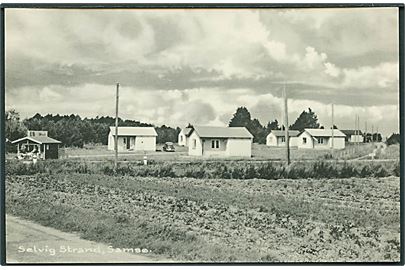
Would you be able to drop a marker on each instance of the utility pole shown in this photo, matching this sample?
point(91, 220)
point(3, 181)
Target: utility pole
point(116, 128)
point(372, 134)
point(376, 134)
point(358, 130)
point(333, 127)
point(365, 132)
point(287, 140)
point(355, 132)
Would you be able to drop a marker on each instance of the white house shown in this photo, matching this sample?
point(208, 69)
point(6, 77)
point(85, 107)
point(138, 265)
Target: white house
point(133, 139)
point(321, 139)
point(183, 136)
point(220, 142)
point(277, 138)
point(353, 136)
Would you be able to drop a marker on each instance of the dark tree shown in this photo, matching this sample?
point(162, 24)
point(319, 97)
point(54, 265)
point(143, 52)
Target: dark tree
point(167, 134)
point(306, 120)
point(241, 118)
point(257, 130)
point(395, 138)
point(14, 128)
point(377, 137)
point(273, 125)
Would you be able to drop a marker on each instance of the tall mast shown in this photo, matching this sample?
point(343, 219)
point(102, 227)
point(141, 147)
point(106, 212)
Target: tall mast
point(287, 141)
point(116, 128)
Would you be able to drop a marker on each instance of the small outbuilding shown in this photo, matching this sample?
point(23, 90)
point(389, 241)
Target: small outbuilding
point(321, 139)
point(133, 139)
point(277, 138)
point(353, 136)
point(38, 144)
point(220, 142)
point(184, 136)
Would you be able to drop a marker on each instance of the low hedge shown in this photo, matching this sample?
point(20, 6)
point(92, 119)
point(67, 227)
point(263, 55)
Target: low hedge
point(211, 169)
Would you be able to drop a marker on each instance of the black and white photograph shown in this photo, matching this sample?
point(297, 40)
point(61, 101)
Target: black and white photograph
point(202, 134)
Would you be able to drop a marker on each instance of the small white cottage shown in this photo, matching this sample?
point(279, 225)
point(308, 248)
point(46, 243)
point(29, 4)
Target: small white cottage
point(220, 142)
point(183, 136)
point(321, 139)
point(353, 136)
point(277, 138)
point(133, 139)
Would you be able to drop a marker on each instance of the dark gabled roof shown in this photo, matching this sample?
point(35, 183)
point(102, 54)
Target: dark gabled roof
point(187, 131)
point(281, 133)
point(222, 132)
point(350, 132)
point(38, 139)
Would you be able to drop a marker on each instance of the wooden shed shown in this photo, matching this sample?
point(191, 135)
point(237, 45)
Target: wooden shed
point(37, 143)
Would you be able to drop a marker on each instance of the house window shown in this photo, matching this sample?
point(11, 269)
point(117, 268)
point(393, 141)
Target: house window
point(304, 140)
point(194, 144)
point(282, 139)
point(215, 144)
point(47, 147)
point(320, 140)
point(125, 140)
point(181, 138)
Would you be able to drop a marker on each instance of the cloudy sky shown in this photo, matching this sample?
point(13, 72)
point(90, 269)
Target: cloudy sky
point(197, 66)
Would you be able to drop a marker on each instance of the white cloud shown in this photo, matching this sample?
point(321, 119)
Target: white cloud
point(332, 70)
point(48, 95)
point(384, 75)
point(312, 58)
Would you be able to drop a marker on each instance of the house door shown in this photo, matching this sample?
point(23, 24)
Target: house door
point(128, 142)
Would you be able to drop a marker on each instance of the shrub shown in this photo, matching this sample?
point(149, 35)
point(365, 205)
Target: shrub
point(165, 171)
point(347, 171)
point(296, 170)
point(250, 172)
point(365, 172)
point(380, 171)
point(323, 170)
point(397, 169)
point(267, 171)
point(194, 172)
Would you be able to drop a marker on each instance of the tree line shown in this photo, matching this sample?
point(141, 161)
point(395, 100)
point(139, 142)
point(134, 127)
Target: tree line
point(72, 130)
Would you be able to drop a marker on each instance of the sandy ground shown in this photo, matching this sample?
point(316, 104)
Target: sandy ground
point(28, 242)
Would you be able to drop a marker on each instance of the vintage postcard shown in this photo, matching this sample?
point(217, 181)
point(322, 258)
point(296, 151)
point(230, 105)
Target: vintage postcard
point(202, 135)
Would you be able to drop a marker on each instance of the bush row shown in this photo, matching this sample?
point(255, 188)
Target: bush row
point(220, 169)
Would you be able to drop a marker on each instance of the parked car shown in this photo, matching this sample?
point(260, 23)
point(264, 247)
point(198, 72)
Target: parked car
point(168, 147)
